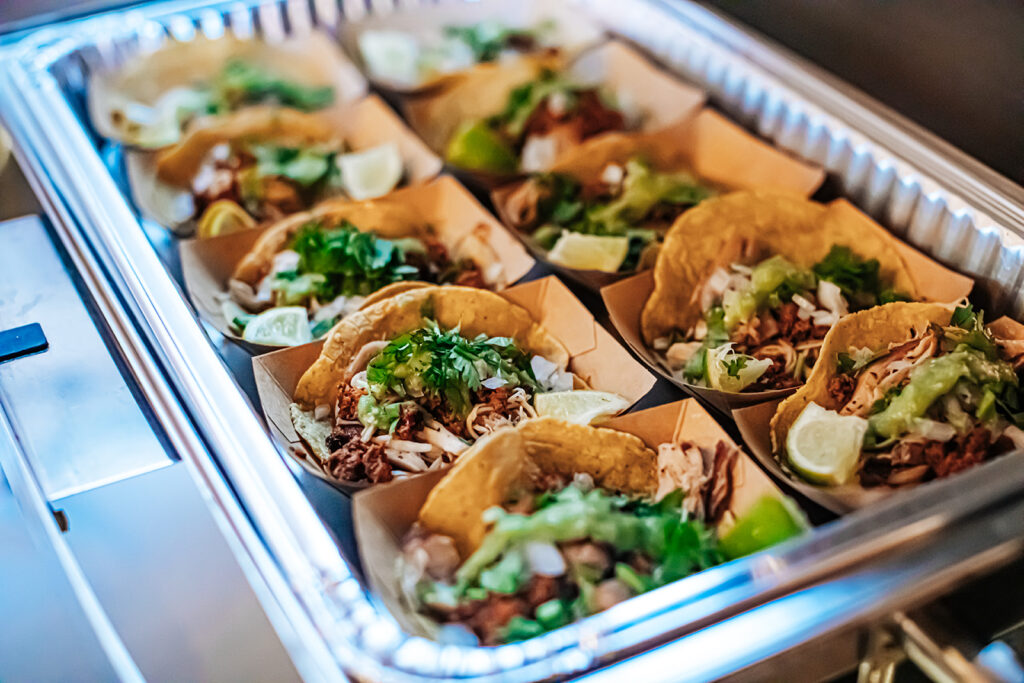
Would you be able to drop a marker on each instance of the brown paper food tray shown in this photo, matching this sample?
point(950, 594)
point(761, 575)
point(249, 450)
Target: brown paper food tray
point(716, 150)
point(625, 301)
point(613, 64)
point(382, 515)
point(574, 31)
point(454, 213)
point(594, 354)
point(312, 60)
point(754, 425)
point(363, 124)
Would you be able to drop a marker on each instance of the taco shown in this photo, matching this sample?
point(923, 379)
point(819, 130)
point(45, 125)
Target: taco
point(421, 50)
point(904, 393)
point(410, 381)
point(521, 115)
point(748, 284)
point(607, 203)
point(324, 263)
point(549, 522)
point(151, 102)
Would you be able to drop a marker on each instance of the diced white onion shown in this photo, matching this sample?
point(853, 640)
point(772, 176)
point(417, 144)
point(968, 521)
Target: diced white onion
point(359, 380)
point(542, 368)
point(612, 174)
point(493, 383)
point(284, 261)
point(558, 103)
point(539, 153)
point(544, 559)
point(806, 307)
point(831, 297)
point(934, 431)
point(321, 411)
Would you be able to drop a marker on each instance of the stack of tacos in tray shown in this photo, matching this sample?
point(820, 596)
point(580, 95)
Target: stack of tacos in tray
point(547, 522)
point(904, 393)
point(265, 162)
point(150, 102)
point(500, 119)
point(414, 52)
point(747, 285)
point(410, 381)
point(606, 204)
point(291, 282)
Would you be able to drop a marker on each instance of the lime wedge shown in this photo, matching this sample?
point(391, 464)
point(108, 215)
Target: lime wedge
point(475, 146)
point(223, 217)
point(589, 252)
point(581, 407)
point(372, 172)
point(284, 326)
point(391, 56)
point(768, 521)
point(733, 372)
point(824, 447)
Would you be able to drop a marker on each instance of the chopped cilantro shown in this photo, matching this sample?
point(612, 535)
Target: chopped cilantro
point(857, 278)
point(241, 83)
point(346, 261)
point(445, 365)
point(486, 39)
point(845, 363)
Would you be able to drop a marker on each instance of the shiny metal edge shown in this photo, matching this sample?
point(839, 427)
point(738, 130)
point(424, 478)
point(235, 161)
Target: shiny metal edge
point(25, 485)
point(377, 638)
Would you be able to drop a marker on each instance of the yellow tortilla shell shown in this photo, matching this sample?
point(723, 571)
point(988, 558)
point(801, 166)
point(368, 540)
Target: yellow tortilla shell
point(476, 93)
point(179, 164)
point(505, 464)
point(474, 311)
point(798, 229)
point(312, 61)
point(875, 329)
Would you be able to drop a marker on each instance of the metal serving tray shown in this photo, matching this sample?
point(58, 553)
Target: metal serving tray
point(822, 586)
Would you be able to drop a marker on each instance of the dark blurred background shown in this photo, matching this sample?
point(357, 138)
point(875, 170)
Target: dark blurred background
point(954, 66)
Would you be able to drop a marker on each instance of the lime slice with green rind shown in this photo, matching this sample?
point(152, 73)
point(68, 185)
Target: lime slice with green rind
point(284, 326)
point(477, 147)
point(824, 447)
point(589, 252)
point(581, 407)
point(770, 520)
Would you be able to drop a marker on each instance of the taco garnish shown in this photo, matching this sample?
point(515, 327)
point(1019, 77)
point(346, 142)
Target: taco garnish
point(540, 120)
point(401, 59)
point(331, 259)
point(630, 201)
point(550, 522)
point(747, 285)
point(273, 162)
point(922, 391)
point(410, 381)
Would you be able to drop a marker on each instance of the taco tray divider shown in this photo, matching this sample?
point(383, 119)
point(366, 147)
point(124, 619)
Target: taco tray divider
point(904, 551)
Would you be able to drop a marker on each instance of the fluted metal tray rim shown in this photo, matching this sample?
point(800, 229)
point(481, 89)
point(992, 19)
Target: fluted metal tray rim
point(339, 611)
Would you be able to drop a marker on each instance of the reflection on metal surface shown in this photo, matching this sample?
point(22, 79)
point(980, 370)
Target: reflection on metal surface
point(73, 410)
point(725, 619)
point(31, 499)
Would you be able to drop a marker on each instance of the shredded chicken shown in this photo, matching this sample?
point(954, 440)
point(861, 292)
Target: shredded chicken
point(890, 371)
point(499, 408)
point(706, 481)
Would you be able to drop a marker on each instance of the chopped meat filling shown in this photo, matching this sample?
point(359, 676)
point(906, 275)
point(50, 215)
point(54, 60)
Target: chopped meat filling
point(917, 460)
point(840, 388)
point(358, 460)
point(347, 407)
point(587, 118)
